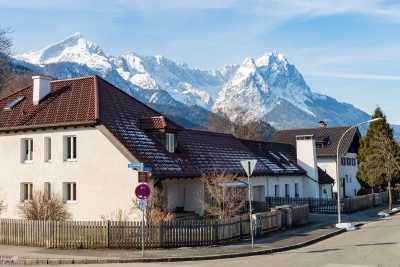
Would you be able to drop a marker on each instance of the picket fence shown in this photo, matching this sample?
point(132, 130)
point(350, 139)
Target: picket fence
point(127, 234)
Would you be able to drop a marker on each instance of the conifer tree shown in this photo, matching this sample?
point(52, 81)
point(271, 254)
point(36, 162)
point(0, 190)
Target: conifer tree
point(379, 155)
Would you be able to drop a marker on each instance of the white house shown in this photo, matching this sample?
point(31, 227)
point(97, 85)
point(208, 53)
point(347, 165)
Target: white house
point(327, 139)
point(76, 137)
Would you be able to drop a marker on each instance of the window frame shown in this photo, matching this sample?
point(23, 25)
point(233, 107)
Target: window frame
point(26, 191)
point(287, 191)
point(47, 190)
point(170, 142)
point(27, 150)
point(47, 149)
point(296, 190)
point(70, 148)
point(276, 190)
point(70, 192)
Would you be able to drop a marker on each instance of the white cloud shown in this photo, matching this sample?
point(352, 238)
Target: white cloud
point(272, 9)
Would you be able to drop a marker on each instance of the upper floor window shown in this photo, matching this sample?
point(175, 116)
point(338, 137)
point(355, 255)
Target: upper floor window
point(47, 149)
point(27, 150)
point(70, 147)
point(26, 192)
point(170, 142)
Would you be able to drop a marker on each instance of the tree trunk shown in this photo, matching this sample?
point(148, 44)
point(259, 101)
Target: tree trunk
point(390, 195)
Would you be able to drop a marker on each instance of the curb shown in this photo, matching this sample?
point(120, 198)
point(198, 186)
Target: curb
point(55, 261)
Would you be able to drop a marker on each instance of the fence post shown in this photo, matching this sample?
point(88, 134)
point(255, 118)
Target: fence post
point(108, 233)
point(241, 227)
point(215, 226)
point(161, 234)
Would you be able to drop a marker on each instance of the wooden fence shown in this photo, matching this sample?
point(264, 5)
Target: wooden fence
point(110, 234)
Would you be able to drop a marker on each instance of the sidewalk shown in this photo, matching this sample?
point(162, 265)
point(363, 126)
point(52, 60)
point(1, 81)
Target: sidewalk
point(319, 228)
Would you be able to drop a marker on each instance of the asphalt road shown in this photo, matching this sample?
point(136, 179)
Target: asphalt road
point(375, 244)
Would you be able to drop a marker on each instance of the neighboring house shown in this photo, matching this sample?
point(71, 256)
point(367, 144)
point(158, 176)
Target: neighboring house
point(76, 138)
point(326, 139)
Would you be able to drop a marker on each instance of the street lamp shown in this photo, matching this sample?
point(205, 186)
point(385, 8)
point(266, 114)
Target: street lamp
point(339, 224)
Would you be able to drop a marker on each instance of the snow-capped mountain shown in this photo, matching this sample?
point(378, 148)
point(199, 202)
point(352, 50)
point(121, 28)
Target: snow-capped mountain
point(271, 89)
point(184, 84)
point(268, 88)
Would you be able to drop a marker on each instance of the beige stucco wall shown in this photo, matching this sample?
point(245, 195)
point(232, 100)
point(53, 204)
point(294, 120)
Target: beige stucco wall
point(328, 164)
point(104, 182)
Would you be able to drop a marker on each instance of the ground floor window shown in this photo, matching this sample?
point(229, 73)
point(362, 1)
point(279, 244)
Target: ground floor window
point(287, 191)
point(69, 192)
point(26, 191)
point(276, 190)
point(296, 190)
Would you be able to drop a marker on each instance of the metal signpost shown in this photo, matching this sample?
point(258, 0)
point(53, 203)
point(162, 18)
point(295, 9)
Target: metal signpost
point(248, 166)
point(142, 192)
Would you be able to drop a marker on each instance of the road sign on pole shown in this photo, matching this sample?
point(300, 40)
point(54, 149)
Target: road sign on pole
point(142, 191)
point(248, 166)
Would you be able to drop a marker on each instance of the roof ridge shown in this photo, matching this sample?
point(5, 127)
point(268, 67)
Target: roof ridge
point(211, 132)
point(72, 79)
point(316, 128)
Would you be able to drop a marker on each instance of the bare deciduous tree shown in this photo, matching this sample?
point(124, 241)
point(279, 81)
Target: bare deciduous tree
point(223, 199)
point(2, 205)
point(41, 207)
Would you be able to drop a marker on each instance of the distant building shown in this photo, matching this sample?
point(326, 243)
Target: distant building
point(326, 141)
point(76, 137)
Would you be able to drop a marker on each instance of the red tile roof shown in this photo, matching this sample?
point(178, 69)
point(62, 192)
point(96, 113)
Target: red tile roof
point(93, 101)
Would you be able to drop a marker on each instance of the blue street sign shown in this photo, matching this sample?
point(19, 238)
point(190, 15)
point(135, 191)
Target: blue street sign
point(136, 165)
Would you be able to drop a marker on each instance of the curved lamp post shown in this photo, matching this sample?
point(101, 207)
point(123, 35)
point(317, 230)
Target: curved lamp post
point(338, 179)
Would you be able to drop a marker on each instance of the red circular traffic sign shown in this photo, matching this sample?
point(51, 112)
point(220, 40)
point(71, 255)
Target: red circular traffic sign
point(142, 191)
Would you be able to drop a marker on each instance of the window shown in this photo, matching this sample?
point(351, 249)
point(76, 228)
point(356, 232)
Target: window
point(47, 149)
point(276, 189)
point(287, 190)
point(27, 150)
point(296, 190)
point(47, 190)
point(353, 161)
point(170, 142)
point(348, 161)
point(69, 192)
point(26, 192)
point(343, 161)
point(70, 148)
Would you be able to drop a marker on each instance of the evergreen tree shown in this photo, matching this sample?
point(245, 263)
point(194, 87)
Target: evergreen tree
point(379, 155)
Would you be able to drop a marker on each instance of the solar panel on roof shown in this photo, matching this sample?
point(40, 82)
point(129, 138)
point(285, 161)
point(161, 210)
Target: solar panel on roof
point(10, 105)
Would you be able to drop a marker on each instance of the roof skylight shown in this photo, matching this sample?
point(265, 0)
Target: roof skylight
point(10, 105)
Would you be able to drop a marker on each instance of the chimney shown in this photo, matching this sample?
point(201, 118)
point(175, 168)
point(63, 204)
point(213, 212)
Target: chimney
point(41, 88)
point(307, 159)
point(323, 124)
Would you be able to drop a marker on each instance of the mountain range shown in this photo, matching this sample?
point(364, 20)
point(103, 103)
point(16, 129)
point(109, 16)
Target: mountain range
point(268, 88)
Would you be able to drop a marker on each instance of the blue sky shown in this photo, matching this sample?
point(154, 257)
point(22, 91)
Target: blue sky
point(348, 49)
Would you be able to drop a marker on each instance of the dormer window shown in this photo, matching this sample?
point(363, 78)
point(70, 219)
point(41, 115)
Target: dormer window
point(170, 142)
